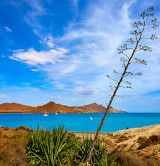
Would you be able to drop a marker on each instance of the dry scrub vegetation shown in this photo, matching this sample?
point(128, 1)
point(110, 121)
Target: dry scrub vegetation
point(12, 147)
point(126, 144)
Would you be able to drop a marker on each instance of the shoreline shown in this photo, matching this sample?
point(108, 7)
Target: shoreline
point(103, 133)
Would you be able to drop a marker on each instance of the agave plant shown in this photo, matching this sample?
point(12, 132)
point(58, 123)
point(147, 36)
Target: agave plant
point(100, 156)
point(59, 147)
point(48, 148)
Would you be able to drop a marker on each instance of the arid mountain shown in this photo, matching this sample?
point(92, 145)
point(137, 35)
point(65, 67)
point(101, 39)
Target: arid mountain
point(52, 107)
point(14, 107)
point(98, 108)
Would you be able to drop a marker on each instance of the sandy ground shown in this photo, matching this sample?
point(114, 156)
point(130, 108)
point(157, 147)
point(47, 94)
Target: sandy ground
point(128, 140)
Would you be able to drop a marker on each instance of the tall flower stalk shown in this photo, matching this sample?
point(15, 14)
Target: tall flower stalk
point(134, 45)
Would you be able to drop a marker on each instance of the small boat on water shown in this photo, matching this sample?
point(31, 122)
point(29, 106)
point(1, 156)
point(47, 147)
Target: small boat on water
point(56, 113)
point(45, 114)
point(91, 118)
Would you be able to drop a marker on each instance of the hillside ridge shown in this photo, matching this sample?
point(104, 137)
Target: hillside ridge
point(53, 107)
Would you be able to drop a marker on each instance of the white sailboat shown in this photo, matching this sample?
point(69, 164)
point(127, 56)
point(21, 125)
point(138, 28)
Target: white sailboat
point(56, 113)
point(45, 114)
point(91, 118)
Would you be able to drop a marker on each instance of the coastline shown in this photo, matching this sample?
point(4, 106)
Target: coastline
point(154, 129)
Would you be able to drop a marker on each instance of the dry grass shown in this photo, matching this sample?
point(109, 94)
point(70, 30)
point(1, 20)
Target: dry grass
point(152, 140)
point(121, 139)
point(12, 147)
point(130, 159)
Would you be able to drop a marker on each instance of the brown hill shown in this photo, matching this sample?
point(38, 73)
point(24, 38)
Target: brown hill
point(52, 107)
point(14, 107)
point(98, 108)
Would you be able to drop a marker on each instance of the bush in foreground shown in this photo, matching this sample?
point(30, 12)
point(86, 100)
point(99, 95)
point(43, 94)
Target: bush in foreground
point(59, 147)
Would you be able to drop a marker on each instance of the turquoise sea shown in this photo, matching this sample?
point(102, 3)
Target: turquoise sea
point(81, 122)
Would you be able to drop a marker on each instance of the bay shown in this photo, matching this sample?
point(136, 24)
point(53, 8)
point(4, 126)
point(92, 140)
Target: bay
point(80, 122)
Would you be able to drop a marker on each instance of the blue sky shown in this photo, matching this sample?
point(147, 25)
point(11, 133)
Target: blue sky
point(61, 50)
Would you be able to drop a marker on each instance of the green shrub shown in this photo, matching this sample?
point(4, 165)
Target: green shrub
point(60, 147)
point(100, 154)
point(48, 148)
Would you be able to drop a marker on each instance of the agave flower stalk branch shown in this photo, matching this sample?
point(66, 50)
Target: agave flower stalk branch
point(114, 93)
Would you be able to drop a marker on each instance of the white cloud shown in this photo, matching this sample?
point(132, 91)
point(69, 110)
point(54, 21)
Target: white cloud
point(58, 85)
point(85, 91)
point(3, 96)
point(48, 41)
point(36, 11)
point(33, 57)
point(34, 70)
point(36, 6)
point(100, 33)
point(69, 69)
point(8, 29)
point(93, 45)
point(62, 100)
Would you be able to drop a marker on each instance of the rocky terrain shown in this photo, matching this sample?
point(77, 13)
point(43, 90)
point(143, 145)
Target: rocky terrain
point(52, 107)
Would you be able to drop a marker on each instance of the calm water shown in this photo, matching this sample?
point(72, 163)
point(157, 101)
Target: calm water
point(81, 122)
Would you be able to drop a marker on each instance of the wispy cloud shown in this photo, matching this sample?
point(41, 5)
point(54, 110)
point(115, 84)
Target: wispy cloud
point(99, 34)
point(34, 70)
point(3, 96)
point(94, 42)
point(48, 41)
point(85, 91)
point(33, 57)
point(8, 29)
point(32, 16)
